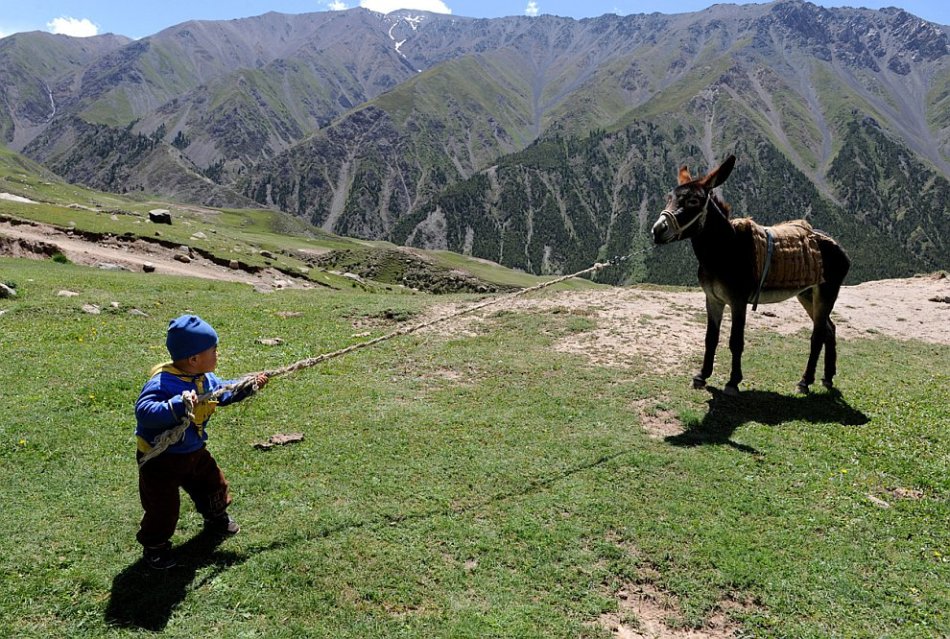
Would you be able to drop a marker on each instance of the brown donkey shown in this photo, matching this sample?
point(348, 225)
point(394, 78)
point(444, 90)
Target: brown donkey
point(742, 263)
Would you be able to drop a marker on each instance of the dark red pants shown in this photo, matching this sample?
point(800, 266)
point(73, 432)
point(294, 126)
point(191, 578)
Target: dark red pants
point(159, 482)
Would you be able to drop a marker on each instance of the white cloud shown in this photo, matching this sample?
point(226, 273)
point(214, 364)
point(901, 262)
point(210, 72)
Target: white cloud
point(79, 28)
point(532, 9)
point(388, 6)
point(336, 5)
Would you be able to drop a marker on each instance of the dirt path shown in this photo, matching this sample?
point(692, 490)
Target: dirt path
point(26, 240)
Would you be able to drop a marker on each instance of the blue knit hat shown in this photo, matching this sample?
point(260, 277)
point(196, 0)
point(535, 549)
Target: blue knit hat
point(189, 335)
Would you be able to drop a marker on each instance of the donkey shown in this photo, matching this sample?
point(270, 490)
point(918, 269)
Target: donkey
point(736, 258)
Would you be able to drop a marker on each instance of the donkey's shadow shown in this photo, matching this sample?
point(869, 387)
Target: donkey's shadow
point(726, 414)
point(145, 598)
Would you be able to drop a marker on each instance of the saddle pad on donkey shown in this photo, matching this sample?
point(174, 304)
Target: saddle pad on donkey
point(796, 258)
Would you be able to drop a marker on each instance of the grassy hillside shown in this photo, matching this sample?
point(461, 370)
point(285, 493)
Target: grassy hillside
point(477, 485)
point(254, 238)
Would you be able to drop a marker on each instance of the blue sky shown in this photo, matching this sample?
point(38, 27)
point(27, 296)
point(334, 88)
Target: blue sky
point(138, 19)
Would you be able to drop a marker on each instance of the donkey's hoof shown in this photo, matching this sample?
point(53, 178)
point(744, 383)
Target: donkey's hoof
point(802, 388)
point(699, 382)
point(730, 391)
point(827, 383)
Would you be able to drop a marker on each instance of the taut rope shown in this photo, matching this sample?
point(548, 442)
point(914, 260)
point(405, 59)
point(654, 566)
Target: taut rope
point(171, 436)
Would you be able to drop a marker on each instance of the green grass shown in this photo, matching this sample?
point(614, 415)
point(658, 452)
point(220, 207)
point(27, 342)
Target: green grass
point(460, 486)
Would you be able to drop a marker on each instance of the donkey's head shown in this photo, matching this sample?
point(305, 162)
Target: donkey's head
point(686, 205)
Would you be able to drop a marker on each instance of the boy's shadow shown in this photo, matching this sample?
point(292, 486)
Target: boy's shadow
point(726, 414)
point(145, 598)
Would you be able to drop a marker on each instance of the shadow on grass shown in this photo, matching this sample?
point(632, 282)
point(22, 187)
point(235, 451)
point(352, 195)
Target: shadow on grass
point(726, 414)
point(385, 520)
point(145, 598)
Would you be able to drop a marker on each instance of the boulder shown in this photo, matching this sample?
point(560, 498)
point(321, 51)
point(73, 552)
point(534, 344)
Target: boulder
point(160, 216)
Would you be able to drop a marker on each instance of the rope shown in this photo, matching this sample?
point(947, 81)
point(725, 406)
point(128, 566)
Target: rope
point(248, 383)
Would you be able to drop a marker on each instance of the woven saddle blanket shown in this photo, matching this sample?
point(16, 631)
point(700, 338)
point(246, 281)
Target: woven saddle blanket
point(796, 258)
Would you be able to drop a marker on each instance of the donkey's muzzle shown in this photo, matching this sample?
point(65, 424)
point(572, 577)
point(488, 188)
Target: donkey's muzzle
point(663, 232)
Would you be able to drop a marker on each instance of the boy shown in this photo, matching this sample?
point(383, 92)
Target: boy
point(193, 346)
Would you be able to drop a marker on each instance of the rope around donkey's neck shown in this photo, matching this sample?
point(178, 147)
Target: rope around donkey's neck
point(249, 381)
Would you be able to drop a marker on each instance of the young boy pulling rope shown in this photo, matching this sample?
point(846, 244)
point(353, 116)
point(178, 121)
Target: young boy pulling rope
point(184, 392)
point(176, 404)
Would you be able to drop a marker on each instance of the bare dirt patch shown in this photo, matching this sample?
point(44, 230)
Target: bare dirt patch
point(899, 492)
point(647, 611)
point(659, 423)
point(35, 240)
point(665, 329)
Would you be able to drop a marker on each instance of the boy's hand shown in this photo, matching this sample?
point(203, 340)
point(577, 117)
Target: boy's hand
point(188, 400)
point(261, 380)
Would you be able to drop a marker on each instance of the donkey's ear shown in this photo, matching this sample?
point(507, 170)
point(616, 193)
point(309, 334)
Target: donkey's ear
point(684, 175)
point(718, 175)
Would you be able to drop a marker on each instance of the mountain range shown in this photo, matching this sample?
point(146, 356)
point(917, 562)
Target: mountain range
point(542, 143)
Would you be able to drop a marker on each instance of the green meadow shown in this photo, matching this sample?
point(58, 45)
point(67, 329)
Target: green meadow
point(478, 484)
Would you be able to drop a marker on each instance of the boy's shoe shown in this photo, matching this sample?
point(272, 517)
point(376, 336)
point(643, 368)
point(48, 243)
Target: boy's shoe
point(159, 558)
point(222, 525)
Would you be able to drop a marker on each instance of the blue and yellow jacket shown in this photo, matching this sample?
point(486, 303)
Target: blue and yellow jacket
point(160, 407)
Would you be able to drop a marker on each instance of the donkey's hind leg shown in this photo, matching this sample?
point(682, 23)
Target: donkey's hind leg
point(835, 264)
point(809, 300)
point(831, 355)
point(829, 294)
point(818, 302)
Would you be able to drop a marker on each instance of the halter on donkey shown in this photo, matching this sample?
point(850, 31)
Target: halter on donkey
point(741, 262)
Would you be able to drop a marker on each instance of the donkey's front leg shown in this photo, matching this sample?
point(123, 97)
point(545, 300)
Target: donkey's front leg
point(736, 346)
point(714, 310)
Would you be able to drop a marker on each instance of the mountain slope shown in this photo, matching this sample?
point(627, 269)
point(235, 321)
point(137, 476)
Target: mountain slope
point(566, 202)
point(523, 215)
point(40, 74)
point(419, 127)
